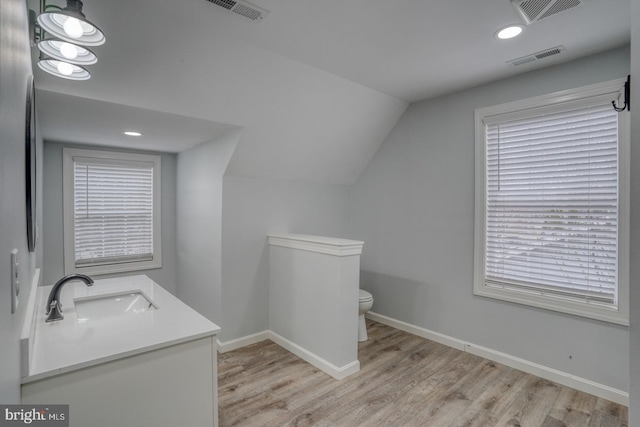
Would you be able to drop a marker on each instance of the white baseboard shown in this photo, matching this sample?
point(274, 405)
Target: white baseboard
point(304, 354)
point(416, 330)
point(237, 343)
point(582, 384)
point(317, 361)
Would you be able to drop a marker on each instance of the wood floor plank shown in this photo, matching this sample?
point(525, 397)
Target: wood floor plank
point(395, 390)
point(426, 391)
point(532, 404)
point(572, 408)
point(391, 360)
point(608, 414)
point(446, 404)
point(494, 401)
point(404, 380)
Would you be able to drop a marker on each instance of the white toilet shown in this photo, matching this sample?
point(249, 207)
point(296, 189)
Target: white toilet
point(365, 304)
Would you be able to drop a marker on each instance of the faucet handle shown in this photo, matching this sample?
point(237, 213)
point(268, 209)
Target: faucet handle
point(54, 312)
point(53, 305)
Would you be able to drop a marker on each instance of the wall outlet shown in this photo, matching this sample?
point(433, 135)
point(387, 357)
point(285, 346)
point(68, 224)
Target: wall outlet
point(15, 282)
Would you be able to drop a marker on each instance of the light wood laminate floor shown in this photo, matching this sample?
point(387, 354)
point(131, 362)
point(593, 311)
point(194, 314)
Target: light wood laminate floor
point(404, 380)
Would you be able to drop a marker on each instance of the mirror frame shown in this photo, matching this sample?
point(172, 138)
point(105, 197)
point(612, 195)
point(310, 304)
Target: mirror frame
point(30, 145)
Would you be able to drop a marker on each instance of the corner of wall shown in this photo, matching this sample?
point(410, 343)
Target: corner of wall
point(634, 273)
point(199, 175)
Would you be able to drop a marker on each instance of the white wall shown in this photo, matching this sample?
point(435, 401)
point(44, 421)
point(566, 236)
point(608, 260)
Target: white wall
point(634, 330)
point(15, 66)
point(413, 207)
point(52, 232)
point(313, 303)
point(199, 224)
point(253, 208)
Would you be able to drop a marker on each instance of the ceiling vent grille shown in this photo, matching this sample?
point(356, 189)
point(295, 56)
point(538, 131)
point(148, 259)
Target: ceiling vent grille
point(243, 8)
point(537, 10)
point(537, 56)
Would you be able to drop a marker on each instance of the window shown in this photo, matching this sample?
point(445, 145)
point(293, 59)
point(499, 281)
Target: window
point(111, 211)
point(551, 203)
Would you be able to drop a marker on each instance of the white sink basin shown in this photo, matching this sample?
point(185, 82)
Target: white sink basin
point(105, 306)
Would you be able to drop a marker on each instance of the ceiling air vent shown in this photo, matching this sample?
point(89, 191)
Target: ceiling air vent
point(243, 8)
point(537, 56)
point(537, 10)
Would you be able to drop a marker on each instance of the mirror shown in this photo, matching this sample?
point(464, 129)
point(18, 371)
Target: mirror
point(30, 164)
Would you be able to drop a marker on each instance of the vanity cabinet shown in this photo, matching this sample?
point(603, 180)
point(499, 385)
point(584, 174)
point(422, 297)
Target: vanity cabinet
point(171, 386)
point(114, 367)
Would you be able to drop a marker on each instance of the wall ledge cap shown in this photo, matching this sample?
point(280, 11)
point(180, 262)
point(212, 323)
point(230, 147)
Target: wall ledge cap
point(319, 244)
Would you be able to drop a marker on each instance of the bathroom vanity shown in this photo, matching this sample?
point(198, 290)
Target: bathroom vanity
point(127, 353)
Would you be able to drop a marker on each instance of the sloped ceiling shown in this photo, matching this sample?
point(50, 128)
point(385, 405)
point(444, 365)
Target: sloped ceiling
point(317, 85)
point(88, 121)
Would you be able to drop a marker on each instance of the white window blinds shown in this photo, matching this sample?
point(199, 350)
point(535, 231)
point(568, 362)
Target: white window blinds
point(552, 204)
point(112, 211)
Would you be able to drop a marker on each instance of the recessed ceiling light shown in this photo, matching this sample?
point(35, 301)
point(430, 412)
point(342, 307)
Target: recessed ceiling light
point(132, 133)
point(509, 31)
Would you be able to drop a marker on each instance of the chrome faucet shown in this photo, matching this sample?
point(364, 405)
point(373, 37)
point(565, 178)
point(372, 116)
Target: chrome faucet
point(54, 307)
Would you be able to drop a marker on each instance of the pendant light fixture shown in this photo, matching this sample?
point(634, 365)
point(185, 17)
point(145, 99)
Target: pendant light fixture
point(64, 70)
point(67, 52)
point(70, 24)
point(64, 53)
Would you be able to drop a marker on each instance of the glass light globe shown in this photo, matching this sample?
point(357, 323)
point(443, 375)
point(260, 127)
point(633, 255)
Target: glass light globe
point(73, 28)
point(68, 50)
point(65, 68)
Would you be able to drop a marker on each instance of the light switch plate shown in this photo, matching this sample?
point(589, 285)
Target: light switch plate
point(15, 282)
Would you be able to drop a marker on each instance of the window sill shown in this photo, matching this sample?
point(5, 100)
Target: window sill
point(561, 305)
point(97, 270)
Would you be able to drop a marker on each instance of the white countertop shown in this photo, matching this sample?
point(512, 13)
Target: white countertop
point(68, 345)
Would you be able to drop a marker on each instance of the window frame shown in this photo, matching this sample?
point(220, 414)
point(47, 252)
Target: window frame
point(530, 107)
point(68, 212)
